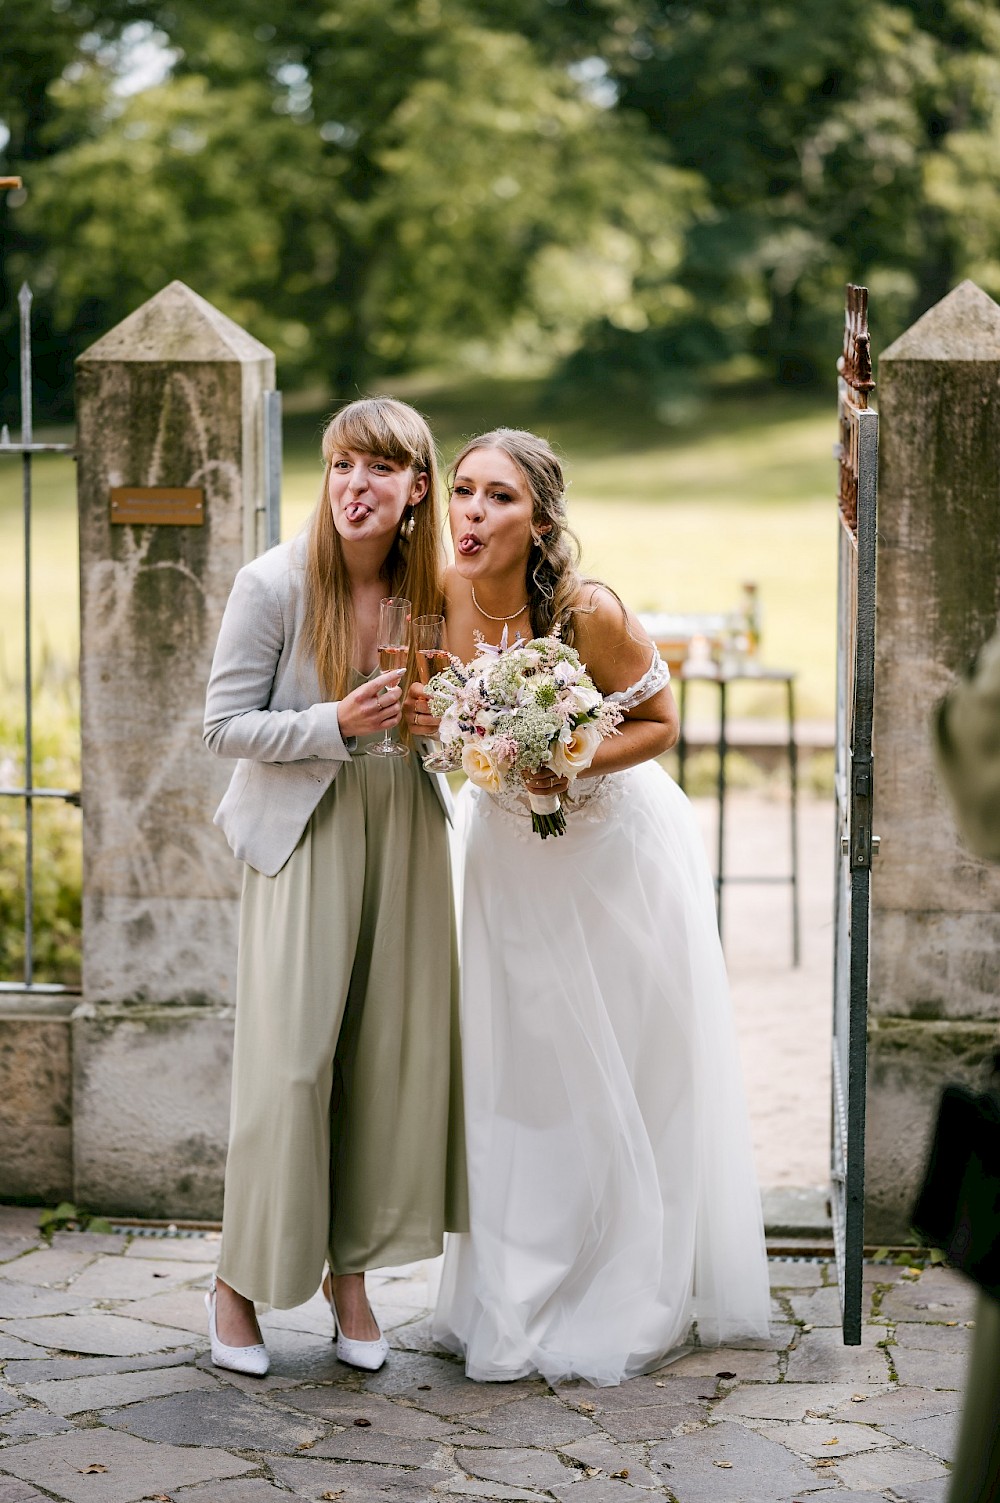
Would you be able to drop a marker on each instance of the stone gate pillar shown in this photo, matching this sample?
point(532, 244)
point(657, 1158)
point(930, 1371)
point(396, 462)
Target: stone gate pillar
point(935, 939)
point(170, 481)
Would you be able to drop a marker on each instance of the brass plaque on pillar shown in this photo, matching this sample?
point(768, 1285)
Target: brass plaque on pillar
point(160, 505)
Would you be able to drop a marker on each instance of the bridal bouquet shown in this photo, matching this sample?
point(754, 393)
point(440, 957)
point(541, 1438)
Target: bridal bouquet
point(529, 707)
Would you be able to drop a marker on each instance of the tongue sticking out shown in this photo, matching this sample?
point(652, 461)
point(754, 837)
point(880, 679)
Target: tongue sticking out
point(357, 511)
point(469, 545)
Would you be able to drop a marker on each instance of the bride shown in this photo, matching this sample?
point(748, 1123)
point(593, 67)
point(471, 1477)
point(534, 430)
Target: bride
point(613, 1196)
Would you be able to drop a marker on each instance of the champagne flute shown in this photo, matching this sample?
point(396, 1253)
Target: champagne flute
point(432, 656)
point(393, 652)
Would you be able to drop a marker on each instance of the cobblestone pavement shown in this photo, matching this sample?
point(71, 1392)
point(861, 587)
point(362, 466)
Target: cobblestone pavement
point(107, 1395)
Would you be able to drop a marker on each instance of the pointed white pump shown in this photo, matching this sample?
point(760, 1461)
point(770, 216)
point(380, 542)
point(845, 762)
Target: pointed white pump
point(369, 1355)
point(252, 1360)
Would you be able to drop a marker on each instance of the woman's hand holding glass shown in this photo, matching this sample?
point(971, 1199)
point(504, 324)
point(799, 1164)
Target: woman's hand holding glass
point(373, 706)
point(419, 715)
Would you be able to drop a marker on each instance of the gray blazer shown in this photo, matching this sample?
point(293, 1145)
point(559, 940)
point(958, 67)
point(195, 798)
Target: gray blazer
point(265, 707)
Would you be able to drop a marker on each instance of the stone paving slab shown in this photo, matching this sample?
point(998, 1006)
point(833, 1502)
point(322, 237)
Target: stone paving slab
point(68, 1396)
point(12, 1347)
point(242, 1490)
point(521, 1466)
point(796, 1401)
point(130, 1468)
point(727, 1461)
point(339, 1408)
point(42, 1369)
point(376, 1446)
point(89, 1242)
point(612, 1459)
point(182, 1309)
point(899, 1404)
point(98, 1334)
point(929, 1369)
point(223, 1418)
point(357, 1483)
point(822, 1439)
point(953, 1337)
point(531, 1422)
point(13, 1490)
point(889, 1469)
point(938, 1434)
point(48, 1266)
point(28, 1424)
point(13, 1247)
point(600, 1490)
point(18, 1300)
point(709, 1362)
point(821, 1357)
point(139, 1278)
point(934, 1491)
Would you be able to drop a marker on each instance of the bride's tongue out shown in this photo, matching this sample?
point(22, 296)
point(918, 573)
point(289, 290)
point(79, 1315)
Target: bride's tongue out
point(469, 545)
point(357, 511)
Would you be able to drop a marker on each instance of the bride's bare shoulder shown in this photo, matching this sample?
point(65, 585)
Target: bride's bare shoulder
point(608, 636)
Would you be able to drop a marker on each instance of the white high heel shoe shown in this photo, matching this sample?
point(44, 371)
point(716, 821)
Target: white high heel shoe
point(369, 1355)
point(252, 1360)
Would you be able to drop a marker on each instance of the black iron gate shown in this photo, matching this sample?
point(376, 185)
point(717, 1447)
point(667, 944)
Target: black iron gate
point(28, 793)
point(858, 455)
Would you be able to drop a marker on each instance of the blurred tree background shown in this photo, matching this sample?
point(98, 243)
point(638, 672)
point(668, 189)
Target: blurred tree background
point(630, 196)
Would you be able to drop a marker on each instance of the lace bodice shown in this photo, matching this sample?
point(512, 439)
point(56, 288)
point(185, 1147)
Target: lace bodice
point(593, 798)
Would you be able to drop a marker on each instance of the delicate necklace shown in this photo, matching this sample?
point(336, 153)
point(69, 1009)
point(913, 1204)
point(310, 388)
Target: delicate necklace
point(512, 617)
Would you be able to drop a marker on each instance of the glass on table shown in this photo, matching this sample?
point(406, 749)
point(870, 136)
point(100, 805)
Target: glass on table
point(393, 652)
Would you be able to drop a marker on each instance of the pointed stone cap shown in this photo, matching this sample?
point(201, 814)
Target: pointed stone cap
point(176, 325)
point(965, 325)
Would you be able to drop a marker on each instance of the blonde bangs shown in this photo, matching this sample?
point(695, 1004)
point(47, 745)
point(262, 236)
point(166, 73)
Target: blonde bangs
point(379, 425)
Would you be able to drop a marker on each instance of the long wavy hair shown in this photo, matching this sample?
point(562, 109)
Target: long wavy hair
point(415, 561)
point(552, 578)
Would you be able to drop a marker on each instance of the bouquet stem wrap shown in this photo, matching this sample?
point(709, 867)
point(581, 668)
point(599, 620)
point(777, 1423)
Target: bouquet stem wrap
point(547, 817)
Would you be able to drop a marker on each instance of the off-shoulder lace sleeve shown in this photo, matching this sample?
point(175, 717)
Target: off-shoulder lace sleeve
point(655, 678)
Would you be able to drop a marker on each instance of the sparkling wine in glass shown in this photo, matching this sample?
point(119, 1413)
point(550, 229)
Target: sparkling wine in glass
point(393, 652)
point(432, 656)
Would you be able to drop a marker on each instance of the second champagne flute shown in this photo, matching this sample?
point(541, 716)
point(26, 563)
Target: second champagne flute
point(393, 652)
point(432, 656)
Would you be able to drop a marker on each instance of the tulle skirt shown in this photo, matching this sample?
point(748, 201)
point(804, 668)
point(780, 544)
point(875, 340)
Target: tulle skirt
point(613, 1194)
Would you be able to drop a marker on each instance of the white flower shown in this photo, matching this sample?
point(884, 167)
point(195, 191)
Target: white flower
point(448, 730)
point(585, 696)
point(571, 756)
point(480, 767)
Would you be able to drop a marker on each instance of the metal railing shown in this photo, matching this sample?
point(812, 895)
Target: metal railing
point(27, 449)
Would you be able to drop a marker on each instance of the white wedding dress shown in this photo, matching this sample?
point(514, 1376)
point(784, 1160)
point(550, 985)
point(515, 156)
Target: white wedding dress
point(612, 1188)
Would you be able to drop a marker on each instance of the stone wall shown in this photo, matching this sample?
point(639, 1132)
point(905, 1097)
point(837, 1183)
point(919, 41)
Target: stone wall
point(935, 973)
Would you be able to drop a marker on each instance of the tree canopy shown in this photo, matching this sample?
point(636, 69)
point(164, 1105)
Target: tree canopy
point(631, 192)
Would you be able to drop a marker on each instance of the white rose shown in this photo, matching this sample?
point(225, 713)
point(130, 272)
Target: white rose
point(585, 696)
point(573, 755)
point(480, 768)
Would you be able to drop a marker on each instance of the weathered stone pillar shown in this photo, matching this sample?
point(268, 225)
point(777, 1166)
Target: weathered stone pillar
point(171, 398)
point(935, 943)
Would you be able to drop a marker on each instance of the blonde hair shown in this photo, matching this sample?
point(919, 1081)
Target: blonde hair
point(552, 577)
point(414, 565)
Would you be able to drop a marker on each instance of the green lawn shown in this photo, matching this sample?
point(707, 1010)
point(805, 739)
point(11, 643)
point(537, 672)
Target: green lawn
point(674, 519)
